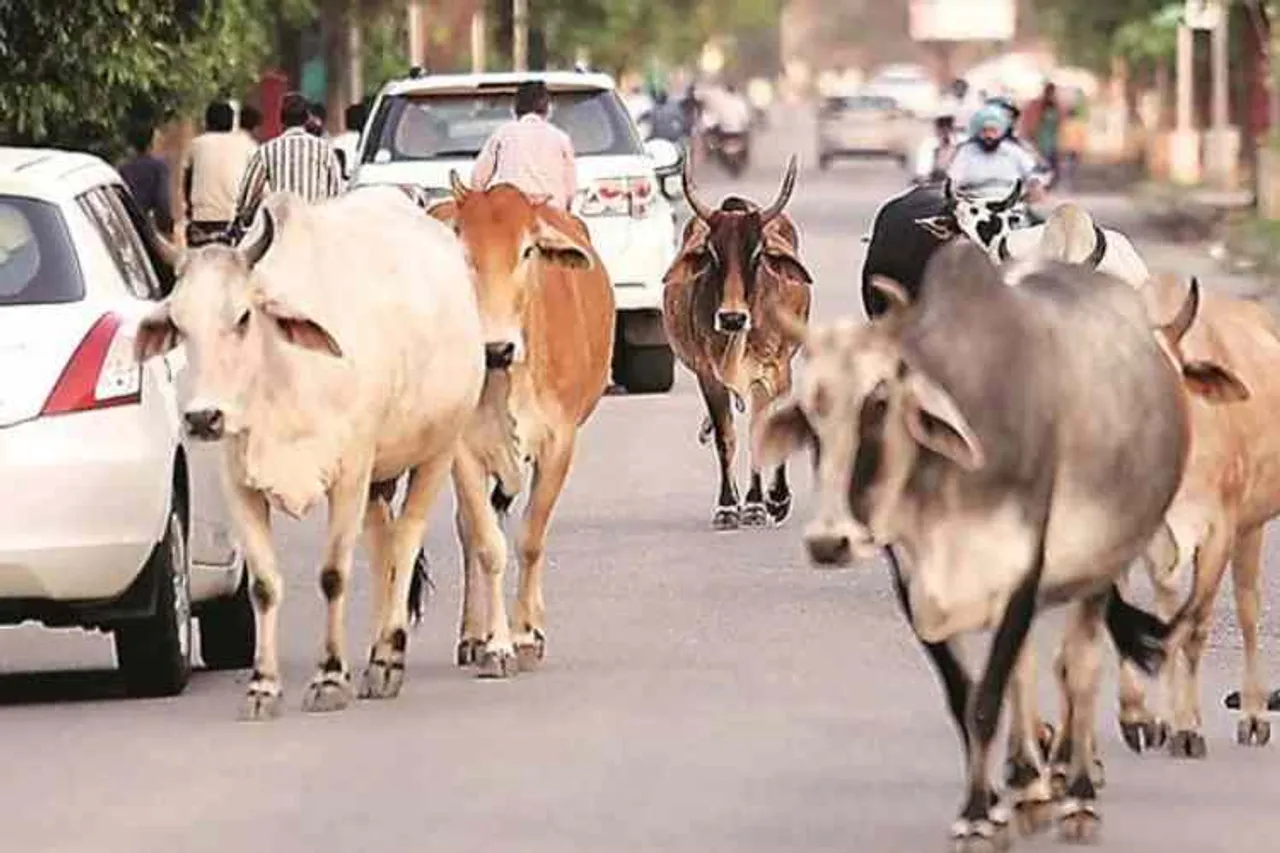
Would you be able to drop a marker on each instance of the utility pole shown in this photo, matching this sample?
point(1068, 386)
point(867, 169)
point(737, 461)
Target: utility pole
point(520, 34)
point(478, 37)
point(1184, 142)
point(414, 13)
point(355, 59)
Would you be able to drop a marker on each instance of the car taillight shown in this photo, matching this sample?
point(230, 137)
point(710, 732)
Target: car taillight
point(102, 372)
point(619, 197)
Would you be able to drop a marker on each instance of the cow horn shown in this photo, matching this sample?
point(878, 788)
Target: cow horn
point(252, 252)
point(784, 195)
point(1009, 200)
point(948, 192)
point(1180, 324)
point(460, 190)
point(698, 206)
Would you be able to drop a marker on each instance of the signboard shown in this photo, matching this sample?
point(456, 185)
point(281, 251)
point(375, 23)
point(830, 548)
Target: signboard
point(1203, 14)
point(962, 20)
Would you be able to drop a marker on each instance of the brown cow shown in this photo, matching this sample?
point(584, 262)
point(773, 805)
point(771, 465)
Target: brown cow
point(737, 268)
point(1230, 490)
point(547, 309)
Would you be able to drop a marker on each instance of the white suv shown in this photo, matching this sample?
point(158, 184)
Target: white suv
point(422, 127)
point(108, 519)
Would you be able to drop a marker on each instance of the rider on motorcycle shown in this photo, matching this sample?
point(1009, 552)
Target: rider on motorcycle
point(991, 161)
point(667, 119)
point(935, 152)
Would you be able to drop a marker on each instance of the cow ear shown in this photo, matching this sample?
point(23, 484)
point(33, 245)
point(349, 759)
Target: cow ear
point(1214, 383)
point(300, 330)
point(156, 334)
point(782, 431)
point(893, 292)
point(445, 211)
point(781, 257)
point(559, 248)
point(935, 421)
point(943, 226)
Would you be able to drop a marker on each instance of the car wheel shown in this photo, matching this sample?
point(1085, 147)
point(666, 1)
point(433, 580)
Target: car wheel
point(154, 653)
point(228, 634)
point(647, 369)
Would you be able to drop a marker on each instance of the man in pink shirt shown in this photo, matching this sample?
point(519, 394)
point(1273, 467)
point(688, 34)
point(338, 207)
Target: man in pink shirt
point(530, 153)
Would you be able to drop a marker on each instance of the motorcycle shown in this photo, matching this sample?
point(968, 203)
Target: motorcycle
point(731, 149)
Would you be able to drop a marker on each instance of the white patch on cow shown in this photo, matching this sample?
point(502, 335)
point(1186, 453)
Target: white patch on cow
point(965, 568)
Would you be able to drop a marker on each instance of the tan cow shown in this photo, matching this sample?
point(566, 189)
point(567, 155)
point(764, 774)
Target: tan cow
point(737, 269)
point(335, 350)
point(1231, 489)
point(547, 308)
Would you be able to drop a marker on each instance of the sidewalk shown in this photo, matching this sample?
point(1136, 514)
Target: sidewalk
point(1123, 213)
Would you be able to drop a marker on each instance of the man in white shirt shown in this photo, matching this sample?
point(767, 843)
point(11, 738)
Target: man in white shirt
point(529, 152)
point(212, 170)
point(989, 163)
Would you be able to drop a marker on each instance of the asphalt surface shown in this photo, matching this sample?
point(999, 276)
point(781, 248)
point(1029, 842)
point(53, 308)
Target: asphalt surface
point(703, 691)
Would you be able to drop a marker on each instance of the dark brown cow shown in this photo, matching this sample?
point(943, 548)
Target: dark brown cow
point(738, 267)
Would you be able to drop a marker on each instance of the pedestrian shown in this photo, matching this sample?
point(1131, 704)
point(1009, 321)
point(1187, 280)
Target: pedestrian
point(1042, 126)
point(147, 177)
point(212, 170)
point(296, 161)
point(933, 156)
point(250, 121)
point(1075, 134)
point(529, 152)
point(346, 142)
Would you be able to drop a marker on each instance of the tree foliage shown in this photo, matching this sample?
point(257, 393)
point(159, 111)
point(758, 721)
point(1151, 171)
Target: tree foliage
point(76, 72)
point(1087, 31)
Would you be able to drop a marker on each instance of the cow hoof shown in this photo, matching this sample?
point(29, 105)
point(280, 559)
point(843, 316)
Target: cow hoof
point(1079, 823)
point(382, 680)
point(327, 692)
point(470, 651)
point(725, 518)
point(530, 653)
point(1044, 739)
point(1034, 816)
point(497, 664)
point(1145, 735)
point(262, 702)
point(779, 510)
point(980, 836)
point(1252, 731)
point(1188, 745)
point(754, 515)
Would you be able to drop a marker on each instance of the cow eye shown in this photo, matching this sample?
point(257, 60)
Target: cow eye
point(529, 251)
point(242, 323)
point(973, 210)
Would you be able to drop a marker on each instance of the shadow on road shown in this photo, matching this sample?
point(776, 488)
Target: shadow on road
point(51, 688)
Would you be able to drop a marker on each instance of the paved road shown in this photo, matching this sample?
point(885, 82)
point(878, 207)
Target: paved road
point(703, 692)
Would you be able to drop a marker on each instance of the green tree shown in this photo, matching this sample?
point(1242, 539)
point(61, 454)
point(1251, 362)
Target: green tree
point(76, 72)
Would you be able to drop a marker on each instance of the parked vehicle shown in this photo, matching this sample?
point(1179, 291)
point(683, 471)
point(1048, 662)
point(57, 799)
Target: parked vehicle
point(421, 128)
point(108, 518)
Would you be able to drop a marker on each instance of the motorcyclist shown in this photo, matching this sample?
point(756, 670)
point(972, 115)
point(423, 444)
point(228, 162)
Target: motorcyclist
point(934, 153)
point(991, 161)
point(667, 119)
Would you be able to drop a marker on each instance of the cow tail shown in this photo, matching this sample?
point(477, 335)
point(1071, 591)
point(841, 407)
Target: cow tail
point(1139, 636)
point(420, 587)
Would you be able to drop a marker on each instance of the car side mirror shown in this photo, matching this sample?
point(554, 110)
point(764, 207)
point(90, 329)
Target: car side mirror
point(665, 155)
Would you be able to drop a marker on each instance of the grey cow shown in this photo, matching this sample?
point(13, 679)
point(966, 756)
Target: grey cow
point(1018, 446)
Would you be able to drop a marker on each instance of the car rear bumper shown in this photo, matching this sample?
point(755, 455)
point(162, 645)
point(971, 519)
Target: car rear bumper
point(86, 496)
point(637, 254)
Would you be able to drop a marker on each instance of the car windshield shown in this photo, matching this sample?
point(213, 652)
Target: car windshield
point(860, 103)
point(438, 126)
point(38, 265)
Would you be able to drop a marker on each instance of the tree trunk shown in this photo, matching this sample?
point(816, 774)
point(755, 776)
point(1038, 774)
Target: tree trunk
point(333, 34)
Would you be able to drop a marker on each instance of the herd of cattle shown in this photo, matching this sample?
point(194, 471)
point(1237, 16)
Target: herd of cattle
point(1027, 412)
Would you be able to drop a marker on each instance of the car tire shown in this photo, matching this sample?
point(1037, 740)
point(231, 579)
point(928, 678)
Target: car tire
point(154, 653)
point(647, 369)
point(228, 634)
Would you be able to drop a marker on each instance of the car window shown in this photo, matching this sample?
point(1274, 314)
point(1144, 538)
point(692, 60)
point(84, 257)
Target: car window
point(121, 242)
point(860, 103)
point(143, 234)
point(428, 126)
point(38, 263)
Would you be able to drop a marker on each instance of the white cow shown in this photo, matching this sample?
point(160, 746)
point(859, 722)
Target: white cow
point(338, 347)
point(1070, 235)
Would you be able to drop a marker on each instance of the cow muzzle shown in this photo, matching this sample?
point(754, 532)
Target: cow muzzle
point(205, 424)
point(839, 545)
point(732, 322)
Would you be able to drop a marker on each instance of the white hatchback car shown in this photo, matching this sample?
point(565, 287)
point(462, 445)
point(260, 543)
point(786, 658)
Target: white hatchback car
point(422, 127)
point(108, 519)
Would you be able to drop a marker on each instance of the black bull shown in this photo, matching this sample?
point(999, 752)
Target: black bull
point(900, 248)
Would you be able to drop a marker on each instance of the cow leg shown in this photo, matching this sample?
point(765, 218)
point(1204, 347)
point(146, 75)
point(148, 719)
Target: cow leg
point(1027, 770)
point(727, 515)
point(530, 623)
point(472, 625)
point(330, 688)
point(252, 518)
point(378, 522)
point(1140, 728)
point(488, 548)
point(1080, 666)
point(754, 511)
point(982, 822)
point(384, 677)
point(1246, 564)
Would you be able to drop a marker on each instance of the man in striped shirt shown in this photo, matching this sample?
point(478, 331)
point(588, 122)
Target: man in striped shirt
point(295, 161)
